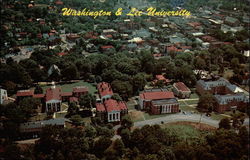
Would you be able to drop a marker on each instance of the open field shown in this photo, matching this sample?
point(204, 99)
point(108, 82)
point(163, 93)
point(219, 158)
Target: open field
point(68, 87)
point(188, 126)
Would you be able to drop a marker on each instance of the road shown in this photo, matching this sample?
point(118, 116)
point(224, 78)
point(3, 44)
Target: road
point(181, 117)
point(177, 118)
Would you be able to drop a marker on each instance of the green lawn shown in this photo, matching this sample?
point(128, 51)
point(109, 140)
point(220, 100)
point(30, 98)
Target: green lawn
point(217, 116)
point(194, 95)
point(131, 105)
point(184, 133)
point(68, 87)
point(190, 102)
point(187, 108)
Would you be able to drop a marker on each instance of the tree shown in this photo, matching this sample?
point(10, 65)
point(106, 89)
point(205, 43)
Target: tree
point(116, 97)
point(72, 110)
point(77, 120)
point(139, 81)
point(123, 88)
point(101, 145)
point(225, 123)
point(126, 122)
point(235, 63)
point(29, 105)
point(38, 90)
point(87, 100)
point(206, 102)
point(70, 72)
point(119, 147)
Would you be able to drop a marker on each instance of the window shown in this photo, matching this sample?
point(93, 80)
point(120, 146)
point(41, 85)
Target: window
point(116, 115)
point(113, 116)
point(110, 117)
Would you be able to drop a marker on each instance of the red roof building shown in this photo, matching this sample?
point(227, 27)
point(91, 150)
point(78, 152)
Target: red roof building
point(80, 91)
point(58, 2)
point(181, 90)
point(162, 78)
point(158, 102)
point(111, 110)
point(104, 90)
point(106, 48)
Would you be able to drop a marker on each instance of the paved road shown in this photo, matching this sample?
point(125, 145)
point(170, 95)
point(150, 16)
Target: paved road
point(179, 117)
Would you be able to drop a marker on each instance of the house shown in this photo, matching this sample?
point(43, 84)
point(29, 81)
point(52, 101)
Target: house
point(107, 48)
point(181, 90)
point(111, 110)
point(52, 69)
point(233, 22)
point(158, 102)
point(161, 78)
point(3, 96)
point(105, 91)
point(58, 2)
point(226, 95)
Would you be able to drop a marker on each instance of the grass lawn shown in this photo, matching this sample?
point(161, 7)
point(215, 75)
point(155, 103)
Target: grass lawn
point(217, 116)
point(190, 102)
point(183, 132)
point(187, 108)
point(68, 87)
point(60, 115)
point(181, 103)
point(131, 105)
point(194, 95)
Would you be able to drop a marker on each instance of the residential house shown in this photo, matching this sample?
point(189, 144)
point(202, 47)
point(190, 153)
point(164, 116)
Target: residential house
point(158, 102)
point(233, 22)
point(181, 90)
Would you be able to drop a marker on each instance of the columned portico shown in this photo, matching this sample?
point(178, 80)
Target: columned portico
point(113, 116)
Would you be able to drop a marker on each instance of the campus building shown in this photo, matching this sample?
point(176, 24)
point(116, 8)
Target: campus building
point(181, 90)
point(109, 110)
point(158, 102)
point(227, 96)
point(53, 97)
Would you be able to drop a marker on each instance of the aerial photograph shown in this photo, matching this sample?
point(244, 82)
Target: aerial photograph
point(124, 80)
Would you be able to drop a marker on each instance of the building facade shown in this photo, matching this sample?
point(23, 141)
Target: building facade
point(227, 96)
point(158, 102)
point(181, 90)
point(54, 97)
point(108, 109)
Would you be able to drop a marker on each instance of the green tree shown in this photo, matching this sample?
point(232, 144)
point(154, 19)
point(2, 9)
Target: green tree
point(225, 123)
point(38, 90)
point(77, 120)
point(206, 102)
point(87, 100)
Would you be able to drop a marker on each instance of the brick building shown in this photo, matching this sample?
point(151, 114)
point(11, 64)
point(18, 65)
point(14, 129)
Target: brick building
point(53, 97)
point(111, 110)
point(181, 90)
point(108, 109)
point(105, 91)
point(227, 96)
point(158, 102)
